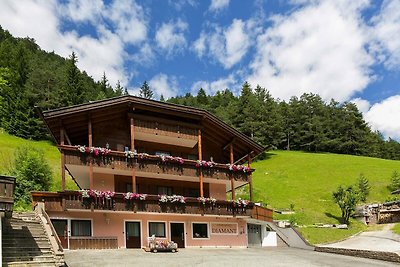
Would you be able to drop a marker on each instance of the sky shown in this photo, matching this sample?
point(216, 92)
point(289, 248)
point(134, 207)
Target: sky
point(341, 49)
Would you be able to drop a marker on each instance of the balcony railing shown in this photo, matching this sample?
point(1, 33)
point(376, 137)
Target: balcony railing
point(73, 200)
point(7, 185)
point(151, 164)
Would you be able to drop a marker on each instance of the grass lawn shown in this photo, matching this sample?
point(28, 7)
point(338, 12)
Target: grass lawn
point(396, 228)
point(8, 145)
point(306, 181)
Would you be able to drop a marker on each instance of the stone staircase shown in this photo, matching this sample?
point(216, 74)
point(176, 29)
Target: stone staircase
point(25, 242)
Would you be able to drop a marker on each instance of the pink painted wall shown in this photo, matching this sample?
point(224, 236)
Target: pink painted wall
point(103, 181)
point(218, 191)
point(112, 224)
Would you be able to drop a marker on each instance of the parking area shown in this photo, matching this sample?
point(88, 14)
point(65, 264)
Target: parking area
point(215, 257)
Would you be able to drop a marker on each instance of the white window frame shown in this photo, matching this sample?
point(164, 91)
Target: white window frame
point(201, 238)
point(166, 228)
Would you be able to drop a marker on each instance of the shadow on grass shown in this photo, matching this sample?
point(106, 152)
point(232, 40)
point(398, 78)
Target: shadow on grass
point(330, 215)
point(264, 155)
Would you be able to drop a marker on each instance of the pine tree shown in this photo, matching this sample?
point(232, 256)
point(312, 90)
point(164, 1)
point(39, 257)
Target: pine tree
point(145, 91)
point(202, 98)
point(73, 90)
point(119, 90)
point(394, 181)
point(162, 98)
point(363, 187)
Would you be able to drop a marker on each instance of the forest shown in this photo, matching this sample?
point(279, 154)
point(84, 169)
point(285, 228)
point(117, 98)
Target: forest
point(32, 77)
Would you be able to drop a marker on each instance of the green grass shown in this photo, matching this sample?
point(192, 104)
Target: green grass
point(8, 145)
point(307, 180)
point(396, 228)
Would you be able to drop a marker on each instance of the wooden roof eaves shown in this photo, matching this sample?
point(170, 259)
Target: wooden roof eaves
point(202, 114)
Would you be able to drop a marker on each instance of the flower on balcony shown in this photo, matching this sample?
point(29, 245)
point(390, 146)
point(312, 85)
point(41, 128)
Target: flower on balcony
point(96, 151)
point(239, 168)
point(206, 200)
point(96, 194)
point(241, 202)
point(167, 158)
point(130, 196)
point(172, 199)
point(206, 164)
point(130, 154)
point(142, 155)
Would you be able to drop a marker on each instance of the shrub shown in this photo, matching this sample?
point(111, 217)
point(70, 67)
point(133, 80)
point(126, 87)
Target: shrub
point(347, 199)
point(32, 171)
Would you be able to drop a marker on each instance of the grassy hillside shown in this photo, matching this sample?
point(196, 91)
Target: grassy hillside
point(8, 145)
point(307, 180)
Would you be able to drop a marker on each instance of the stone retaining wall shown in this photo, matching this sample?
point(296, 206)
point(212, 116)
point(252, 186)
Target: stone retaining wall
point(376, 255)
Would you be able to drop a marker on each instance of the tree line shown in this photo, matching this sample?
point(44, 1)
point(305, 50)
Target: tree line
point(31, 77)
point(305, 123)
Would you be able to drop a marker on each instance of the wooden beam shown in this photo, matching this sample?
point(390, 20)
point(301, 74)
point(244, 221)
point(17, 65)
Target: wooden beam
point(132, 127)
point(232, 180)
point(250, 177)
point(200, 156)
point(67, 137)
point(62, 159)
point(228, 144)
point(90, 139)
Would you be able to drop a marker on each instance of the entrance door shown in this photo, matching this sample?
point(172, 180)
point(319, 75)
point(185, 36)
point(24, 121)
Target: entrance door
point(132, 234)
point(254, 235)
point(61, 227)
point(178, 234)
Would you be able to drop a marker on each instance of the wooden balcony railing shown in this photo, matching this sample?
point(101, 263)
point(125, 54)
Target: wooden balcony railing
point(7, 185)
point(73, 200)
point(151, 164)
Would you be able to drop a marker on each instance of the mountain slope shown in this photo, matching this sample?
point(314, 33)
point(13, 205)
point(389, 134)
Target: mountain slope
point(306, 180)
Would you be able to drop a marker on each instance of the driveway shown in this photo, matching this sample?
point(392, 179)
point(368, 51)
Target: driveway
point(215, 257)
point(384, 240)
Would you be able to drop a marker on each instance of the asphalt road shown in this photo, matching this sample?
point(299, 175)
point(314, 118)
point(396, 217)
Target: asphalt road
point(215, 257)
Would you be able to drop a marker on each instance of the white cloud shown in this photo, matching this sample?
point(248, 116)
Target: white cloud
point(170, 37)
point(318, 48)
point(105, 52)
point(384, 116)
point(162, 84)
point(214, 86)
point(362, 104)
point(227, 45)
point(386, 30)
point(180, 4)
point(83, 10)
point(218, 5)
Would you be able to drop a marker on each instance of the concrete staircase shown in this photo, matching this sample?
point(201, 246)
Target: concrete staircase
point(25, 242)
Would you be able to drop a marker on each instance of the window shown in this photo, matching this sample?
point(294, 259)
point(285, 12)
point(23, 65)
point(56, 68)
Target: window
point(192, 156)
point(200, 230)
point(157, 229)
point(194, 192)
point(164, 190)
point(81, 228)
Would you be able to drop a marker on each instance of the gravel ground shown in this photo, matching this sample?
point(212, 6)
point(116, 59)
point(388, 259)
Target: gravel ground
point(215, 257)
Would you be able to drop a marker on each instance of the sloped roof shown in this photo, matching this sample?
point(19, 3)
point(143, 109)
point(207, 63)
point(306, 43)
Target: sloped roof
point(213, 126)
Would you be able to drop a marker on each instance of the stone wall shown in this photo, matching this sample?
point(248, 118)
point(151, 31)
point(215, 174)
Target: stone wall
point(376, 255)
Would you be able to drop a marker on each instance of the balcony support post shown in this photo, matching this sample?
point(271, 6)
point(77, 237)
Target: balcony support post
point(62, 159)
point(90, 139)
point(250, 177)
point(200, 156)
point(232, 178)
point(132, 127)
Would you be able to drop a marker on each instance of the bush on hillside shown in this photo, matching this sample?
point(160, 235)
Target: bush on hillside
point(363, 187)
point(394, 181)
point(347, 199)
point(33, 173)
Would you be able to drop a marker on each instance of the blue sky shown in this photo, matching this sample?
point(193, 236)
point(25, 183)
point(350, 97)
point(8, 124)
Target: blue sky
point(347, 50)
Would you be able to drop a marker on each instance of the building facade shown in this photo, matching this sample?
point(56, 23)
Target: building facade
point(151, 169)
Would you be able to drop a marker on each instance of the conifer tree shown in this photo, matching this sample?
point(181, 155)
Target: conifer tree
point(145, 91)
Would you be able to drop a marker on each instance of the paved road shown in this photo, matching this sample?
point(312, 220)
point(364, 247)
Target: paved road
point(215, 257)
point(384, 240)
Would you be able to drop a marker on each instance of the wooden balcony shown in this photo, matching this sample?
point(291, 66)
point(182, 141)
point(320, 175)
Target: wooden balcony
point(151, 164)
point(7, 185)
point(73, 200)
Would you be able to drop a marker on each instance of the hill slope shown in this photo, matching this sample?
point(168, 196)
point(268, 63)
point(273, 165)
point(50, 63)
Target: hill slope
point(307, 180)
point(8, 145)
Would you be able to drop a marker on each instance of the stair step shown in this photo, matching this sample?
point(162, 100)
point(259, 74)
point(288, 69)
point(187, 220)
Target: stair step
point(32, 263)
